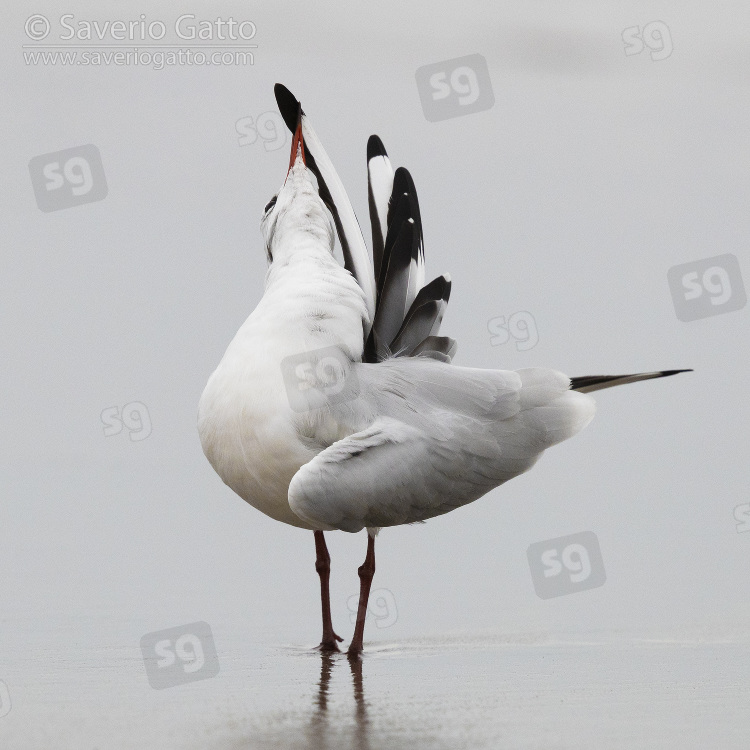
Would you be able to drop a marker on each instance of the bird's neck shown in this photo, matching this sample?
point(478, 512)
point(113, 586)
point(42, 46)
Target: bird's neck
point(305, 247)
point(312, 302)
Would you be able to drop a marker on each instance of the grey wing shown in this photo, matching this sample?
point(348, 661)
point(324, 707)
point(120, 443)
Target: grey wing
point(437, 437)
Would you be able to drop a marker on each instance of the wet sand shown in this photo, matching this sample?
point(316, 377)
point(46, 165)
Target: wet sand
point(482, 691)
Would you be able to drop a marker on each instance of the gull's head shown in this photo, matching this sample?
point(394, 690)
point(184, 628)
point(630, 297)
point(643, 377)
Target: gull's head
point(297, 214)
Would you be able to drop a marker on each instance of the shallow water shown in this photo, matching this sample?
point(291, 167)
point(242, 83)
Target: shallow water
point(488, 690)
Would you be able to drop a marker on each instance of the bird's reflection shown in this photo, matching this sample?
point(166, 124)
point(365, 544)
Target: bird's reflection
point(321, 735)
point(361, 735)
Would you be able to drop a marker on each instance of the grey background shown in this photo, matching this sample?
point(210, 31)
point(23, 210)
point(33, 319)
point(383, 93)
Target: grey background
point(592, 175)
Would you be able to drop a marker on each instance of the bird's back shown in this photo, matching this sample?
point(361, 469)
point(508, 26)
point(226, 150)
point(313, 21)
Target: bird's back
point(433, 437)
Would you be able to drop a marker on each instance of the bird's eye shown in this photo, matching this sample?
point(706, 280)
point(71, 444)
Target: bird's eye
point(270, 204)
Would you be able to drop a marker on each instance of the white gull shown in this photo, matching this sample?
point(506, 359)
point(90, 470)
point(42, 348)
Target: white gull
point(336, 405)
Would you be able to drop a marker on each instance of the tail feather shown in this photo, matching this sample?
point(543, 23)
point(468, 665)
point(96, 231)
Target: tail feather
point(588, 383)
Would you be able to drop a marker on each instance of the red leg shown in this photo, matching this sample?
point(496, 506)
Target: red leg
point(323, 566)
point(366, 572)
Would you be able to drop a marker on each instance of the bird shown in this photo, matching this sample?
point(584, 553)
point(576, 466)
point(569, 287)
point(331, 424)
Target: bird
point(337, 405)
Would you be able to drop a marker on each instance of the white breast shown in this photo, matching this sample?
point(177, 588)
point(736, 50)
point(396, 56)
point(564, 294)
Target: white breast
point(249, 431)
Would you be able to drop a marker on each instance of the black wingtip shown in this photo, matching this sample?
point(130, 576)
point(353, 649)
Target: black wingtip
point(588, 383)
point(284, 97)
point(288, 105)
point(375, 147)
point(402, 180)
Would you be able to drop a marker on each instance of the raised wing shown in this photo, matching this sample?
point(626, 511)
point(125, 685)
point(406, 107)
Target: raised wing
point(332, 191)
point(408, 314)
point(379, 189)
point(405, 315)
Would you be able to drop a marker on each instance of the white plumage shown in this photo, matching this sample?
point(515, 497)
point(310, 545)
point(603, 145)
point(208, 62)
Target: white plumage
point(405, 435)
point(420, 438)
point(433, 437)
